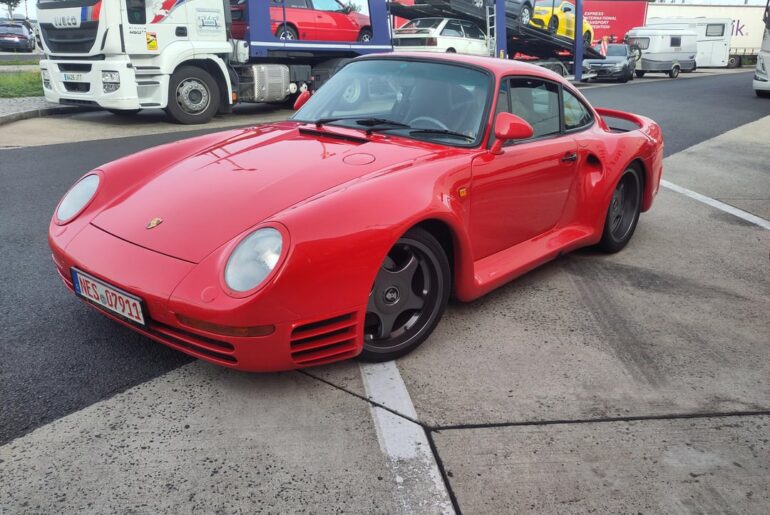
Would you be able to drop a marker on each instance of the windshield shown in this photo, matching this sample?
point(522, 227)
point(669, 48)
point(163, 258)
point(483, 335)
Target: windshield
point(440, 102)
point(612, 50)
point(547, 3)
point(423, 23)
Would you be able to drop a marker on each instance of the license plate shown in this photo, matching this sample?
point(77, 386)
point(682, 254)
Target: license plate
point(109, 297)
point(73, 77)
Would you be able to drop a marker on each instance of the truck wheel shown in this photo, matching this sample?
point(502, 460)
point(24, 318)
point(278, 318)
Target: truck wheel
point(674, 72)
point(734, 61)
point(286, 32)
point(365, 36)
point(639, 73)
point(193, 96)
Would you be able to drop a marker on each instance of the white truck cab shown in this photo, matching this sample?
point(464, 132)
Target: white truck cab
point(761, 82)
point(124, 55)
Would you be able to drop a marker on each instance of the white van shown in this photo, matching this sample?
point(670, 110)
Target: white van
point(663, 50)
point(713, 37)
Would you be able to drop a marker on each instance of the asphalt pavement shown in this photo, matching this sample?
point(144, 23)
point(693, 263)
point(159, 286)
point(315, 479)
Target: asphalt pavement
point(704, 266)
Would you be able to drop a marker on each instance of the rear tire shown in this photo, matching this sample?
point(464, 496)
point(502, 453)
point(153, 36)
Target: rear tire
point(286, 32)
point(674, 72)
point(365, 36)
point(622, 212)
point(408, 297)
point(193, 96)
point(451, 51)
point(639, 73)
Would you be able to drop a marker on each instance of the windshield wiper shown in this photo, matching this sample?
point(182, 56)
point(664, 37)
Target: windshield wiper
point(364, 122)
point(442, 132)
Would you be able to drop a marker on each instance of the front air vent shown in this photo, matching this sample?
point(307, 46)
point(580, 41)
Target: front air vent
point(330, 339)
point(74, 40)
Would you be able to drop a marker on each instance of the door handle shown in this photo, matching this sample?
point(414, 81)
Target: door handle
point(569, 158)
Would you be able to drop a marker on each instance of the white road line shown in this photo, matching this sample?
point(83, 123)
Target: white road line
point(414, 467)
point(727, 208)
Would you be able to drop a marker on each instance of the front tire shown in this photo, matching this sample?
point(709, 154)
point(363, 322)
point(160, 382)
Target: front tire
point(408, 297)
point(193, 96)
point(623, 211)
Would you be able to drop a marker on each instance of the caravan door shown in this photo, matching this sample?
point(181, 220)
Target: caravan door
point(714, 45)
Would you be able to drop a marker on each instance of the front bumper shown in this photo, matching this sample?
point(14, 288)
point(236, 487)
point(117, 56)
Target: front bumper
point(80, 82)
point(163, 283)
point(607, 73)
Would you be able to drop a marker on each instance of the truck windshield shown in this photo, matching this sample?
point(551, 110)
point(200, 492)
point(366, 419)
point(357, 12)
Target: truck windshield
point(445, 103)
point(60, 4)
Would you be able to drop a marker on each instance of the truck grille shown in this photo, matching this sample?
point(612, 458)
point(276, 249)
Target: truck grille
point(79, 40)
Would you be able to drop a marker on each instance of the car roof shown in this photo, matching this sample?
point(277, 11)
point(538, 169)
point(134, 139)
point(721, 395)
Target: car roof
point(498, 67)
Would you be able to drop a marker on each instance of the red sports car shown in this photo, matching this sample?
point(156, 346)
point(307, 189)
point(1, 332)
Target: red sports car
point(315, 20)
point(343, 231)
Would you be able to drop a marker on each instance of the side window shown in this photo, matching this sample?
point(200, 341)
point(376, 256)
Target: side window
point(326, 5)
point(676, 41)
point(472, 31)
point(715, 30)
point(136, 12)
point(452, 29)
point(537, 102)
point(296, 4)
point(576, 115)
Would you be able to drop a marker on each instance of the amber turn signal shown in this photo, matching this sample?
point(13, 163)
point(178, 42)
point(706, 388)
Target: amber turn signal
point(226, 330)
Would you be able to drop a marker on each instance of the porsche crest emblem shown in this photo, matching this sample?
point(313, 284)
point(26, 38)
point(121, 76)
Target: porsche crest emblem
point(154, 222)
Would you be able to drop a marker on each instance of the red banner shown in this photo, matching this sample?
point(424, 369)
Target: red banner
point(613, 18)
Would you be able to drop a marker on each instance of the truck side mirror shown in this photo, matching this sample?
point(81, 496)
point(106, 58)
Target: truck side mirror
point(507, 127)
point(302, 99)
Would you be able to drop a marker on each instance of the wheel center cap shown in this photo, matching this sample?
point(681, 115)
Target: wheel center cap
point(392, 295)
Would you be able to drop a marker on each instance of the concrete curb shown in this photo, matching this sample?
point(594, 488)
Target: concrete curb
point(43, 111)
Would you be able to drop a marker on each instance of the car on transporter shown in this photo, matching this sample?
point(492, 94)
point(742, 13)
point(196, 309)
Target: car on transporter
point(344, 230)
point(440, 35)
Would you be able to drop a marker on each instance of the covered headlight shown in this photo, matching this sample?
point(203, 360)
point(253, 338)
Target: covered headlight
point(253, 259)
point(77, 198)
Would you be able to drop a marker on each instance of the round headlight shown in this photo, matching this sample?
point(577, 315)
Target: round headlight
point(77, 197)
point(253, 259)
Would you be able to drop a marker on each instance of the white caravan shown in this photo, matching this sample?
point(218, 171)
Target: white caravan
point(663, 50)
point(713, 37)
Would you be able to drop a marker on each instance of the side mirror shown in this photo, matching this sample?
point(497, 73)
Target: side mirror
point(507, 127)
point(302, 99)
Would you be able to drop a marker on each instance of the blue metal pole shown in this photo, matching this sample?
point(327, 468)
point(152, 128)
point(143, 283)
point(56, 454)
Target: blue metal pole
point(578, 40)
point(501, 32)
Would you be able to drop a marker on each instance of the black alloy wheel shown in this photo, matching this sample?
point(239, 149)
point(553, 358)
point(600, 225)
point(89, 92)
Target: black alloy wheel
point(408, 297)
point(623, 212)
point(553, 24)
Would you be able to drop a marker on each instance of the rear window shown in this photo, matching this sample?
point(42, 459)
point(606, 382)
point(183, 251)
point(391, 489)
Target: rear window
point(12, 29)
point(423, 23)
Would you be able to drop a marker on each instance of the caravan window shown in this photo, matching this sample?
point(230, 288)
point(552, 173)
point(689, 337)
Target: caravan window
point(676, 40)
point(641, 43)
point(715, 29)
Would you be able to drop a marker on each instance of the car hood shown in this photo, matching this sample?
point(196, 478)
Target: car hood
point(220, 191)
point(612, 59)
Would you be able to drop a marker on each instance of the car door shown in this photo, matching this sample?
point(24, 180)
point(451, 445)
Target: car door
point(452, 36)
point(297, 14)
point(476, 41)
point(521, 193)
point(333, 21)
point(568, 13)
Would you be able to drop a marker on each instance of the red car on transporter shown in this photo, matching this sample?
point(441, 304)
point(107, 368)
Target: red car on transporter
point(342, 231)
point(313, 20)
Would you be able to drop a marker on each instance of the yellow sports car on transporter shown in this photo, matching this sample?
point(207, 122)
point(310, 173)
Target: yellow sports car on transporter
point(558, 17)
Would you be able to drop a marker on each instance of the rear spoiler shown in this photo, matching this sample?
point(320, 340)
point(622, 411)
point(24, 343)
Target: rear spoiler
point(646, 125)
